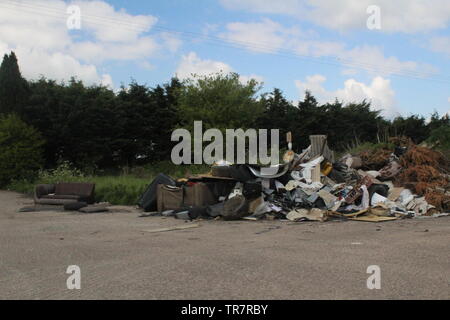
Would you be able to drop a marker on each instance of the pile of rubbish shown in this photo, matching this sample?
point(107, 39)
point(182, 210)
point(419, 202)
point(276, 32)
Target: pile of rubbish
point(378, 185)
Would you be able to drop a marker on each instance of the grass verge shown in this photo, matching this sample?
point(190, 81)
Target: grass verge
point(124, 189)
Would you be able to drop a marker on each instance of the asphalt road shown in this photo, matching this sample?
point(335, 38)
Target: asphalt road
point(118, 259)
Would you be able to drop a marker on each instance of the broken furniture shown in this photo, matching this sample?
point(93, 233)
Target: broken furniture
point(64, 193)
point(313, 186)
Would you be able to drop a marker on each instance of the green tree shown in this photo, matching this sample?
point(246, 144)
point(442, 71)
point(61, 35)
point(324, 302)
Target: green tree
point(278, 113)
point(441, 138)
point(164, 118)
point(20, 149)
point(14, 89)
point(78, 122)
point(413, 126)
point(344, 124)
point(90, 127)
point(135, 124)
point(220, 100)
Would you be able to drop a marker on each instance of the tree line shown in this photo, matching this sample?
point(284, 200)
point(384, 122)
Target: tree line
point(96, 127)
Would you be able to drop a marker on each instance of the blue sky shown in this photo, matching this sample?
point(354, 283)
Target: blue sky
point(323, 46)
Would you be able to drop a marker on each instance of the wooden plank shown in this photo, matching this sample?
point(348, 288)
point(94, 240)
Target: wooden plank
point(373, 218)
point(180, 227)
point(319, 147)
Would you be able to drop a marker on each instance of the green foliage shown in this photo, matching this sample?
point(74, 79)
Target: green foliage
point(78, 122)
point(440, 138)
point(14, 89)
point(414, 127)
point(93, 127)
point(64, 172)
point(176, 171)
point(368, 146)
point(220, 100)
point(20, 149)
point(101, 131)
point(146, 118)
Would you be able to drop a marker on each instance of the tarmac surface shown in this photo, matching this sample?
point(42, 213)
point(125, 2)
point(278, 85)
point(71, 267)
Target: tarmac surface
point(119, 259)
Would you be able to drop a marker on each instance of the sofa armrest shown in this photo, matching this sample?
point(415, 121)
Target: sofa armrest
point(43, 190)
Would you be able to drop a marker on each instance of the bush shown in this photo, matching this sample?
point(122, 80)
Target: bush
point(64, 172)
point(440, 138)
point(20, 150)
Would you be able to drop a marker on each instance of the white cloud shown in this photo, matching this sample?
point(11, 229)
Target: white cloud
point(96, 52)
point(171, 42)
point(448, 99)
point(269, 36)
point(110, 25)
point(440, 45)
point(245, 79)
point(191, 64)
point(378, 92)
point(264, 36)
point(409, 16)
point(36, 62)
point(38, 33)
point(107, 81)
point(265, 6)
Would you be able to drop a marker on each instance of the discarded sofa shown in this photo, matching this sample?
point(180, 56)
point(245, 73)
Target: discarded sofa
point(64, 193)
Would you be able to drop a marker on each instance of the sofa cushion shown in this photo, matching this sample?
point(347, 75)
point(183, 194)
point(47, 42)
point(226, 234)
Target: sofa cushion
point(61, 196)
point(60, 202)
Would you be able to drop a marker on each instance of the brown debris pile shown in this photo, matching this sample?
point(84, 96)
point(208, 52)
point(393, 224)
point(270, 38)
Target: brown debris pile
point(438, 198)
point(425, 172)
point(417, 156)
point(401, 141)
point(423, 168)
point(375, 159)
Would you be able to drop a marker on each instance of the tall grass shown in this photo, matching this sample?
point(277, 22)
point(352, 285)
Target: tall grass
point(119, 190)
point(122, 189)
point(367, 146)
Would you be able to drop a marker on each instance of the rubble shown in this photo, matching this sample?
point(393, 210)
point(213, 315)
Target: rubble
point(375, 186)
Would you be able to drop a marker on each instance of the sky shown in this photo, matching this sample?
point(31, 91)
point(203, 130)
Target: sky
point(395, 54)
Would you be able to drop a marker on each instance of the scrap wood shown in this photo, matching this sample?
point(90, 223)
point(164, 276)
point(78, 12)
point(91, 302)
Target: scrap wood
point(380, 210)
point(349, 215)
point(180, 227)
point(314, 214)
point(373, 218)
point(394, 193)
point(355, 214)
